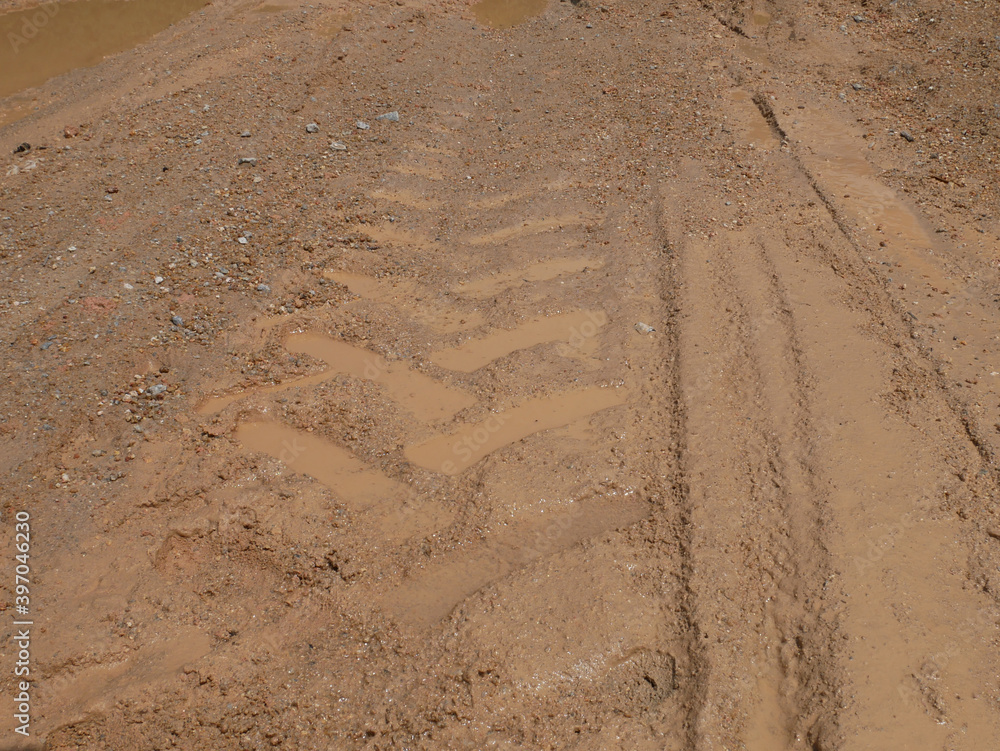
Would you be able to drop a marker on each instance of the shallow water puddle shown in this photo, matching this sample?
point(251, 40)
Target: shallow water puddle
point(412, 390)
point(768, 727)
point(49, 40)
point(94, 689)
point(219, 403)
point(488, 286)
point(531, 227)
point(411, 198)
point(355, 483)
point(427, 172)
point(454, 453)
point(753, 51)
point(841, 168)
point(389, 504)
point(501, 199)
point(390, 235)
point(406, 293)
point(15, 107)
point(758, 132)
point(433, 593)
point(503, 14)
point(572, 328)
point(386, 289)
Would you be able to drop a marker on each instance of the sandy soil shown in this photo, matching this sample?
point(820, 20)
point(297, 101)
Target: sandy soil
point(338, 431)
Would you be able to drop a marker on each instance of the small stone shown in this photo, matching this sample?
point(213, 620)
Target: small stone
point(338, 146)
point(157, 389)
point(858, 19)
point(906, 135)
point(22, 148)
point(263, 288)
point(177, 321)
point(644, 328)
point(312, 128)
point(857, 86)
point(362, 125)
point(242, 241)
point(392, 117)
point(128, 286)
point(70, 131)
point(157, 280)
point(246, 160)
point(245, 134)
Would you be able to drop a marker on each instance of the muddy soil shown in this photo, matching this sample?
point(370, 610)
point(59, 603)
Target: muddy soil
point(563, 375)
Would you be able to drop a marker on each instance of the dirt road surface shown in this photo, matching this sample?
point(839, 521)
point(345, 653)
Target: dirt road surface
point(422, 375)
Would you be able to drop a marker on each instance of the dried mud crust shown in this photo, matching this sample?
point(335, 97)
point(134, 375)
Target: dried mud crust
point(362, 446)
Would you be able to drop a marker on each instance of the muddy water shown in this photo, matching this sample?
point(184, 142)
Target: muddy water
point(757, 131)
point(539, 272)
point(840, 167)
point(434, 592)
point(219, 403)
point(453, 454)
point(381, 290)
point(92, 689)
point(572, 328)
point(411, 198)
point(412, 390)
point(390, 504)
point(530, 227)
point(506, 13)
point(335, 467)
point(846, 170)
point(408, 295)
point(55, 38)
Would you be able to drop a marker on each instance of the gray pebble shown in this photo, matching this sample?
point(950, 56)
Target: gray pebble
point(263, 288)
point(246, 160)
point(392, 117)
point(312, 128)
point(157, 389)
point(177, 321)
point(362, 125)
point(906, 135)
